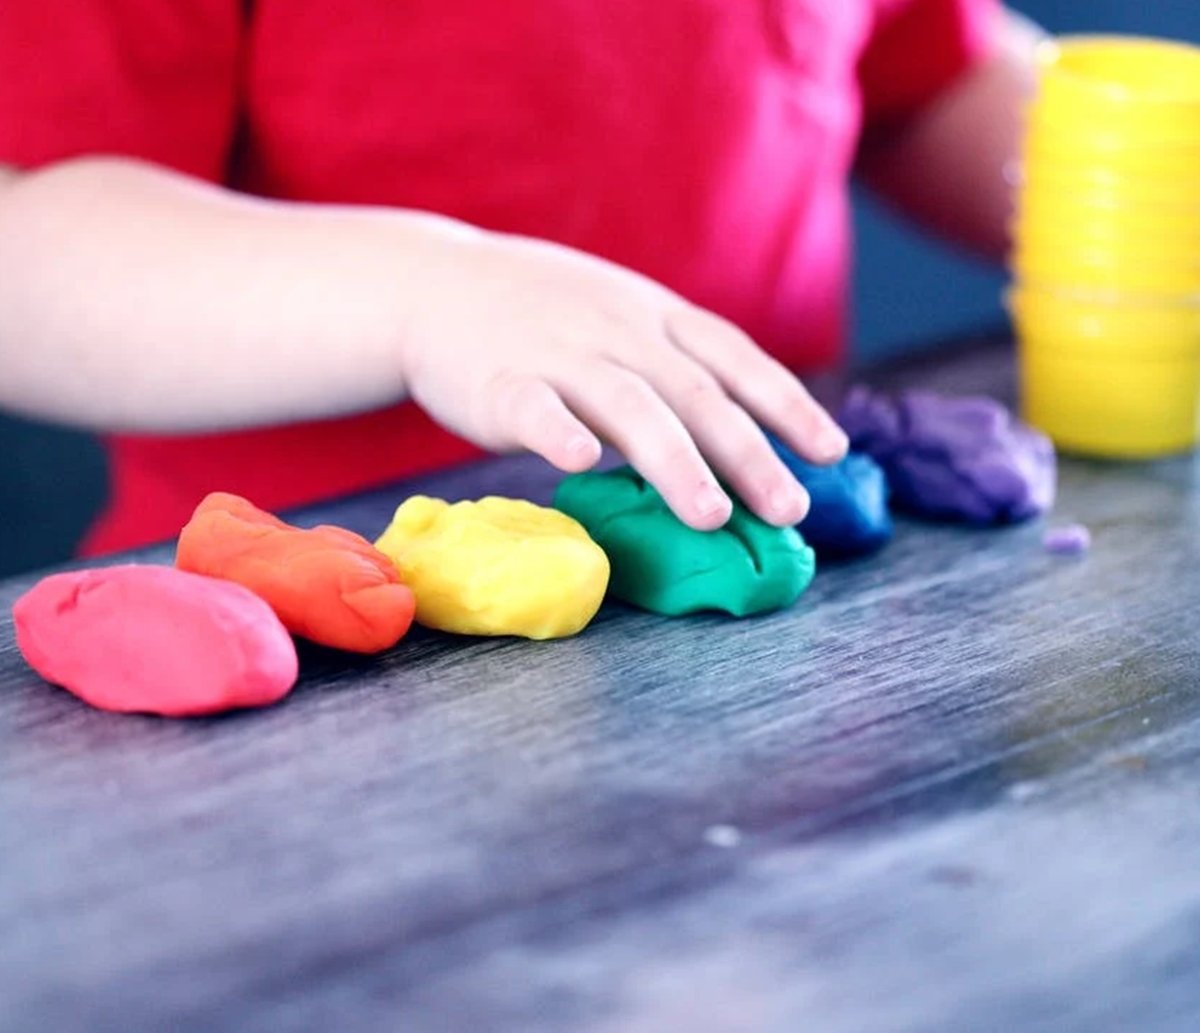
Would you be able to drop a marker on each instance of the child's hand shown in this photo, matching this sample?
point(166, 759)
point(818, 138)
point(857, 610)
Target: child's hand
point(174, 305)
point(532, 345)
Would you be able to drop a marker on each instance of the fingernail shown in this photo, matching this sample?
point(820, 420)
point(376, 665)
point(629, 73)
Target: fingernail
point(832, 441)
point(711, 502)
point(788, 505)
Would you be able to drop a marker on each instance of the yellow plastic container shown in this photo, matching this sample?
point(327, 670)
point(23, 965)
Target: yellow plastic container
point(1088, 135)
point(1063, 151)
point(1109, 327)
point(1089, 69)
point(1118, 407)
point(1138, 199)
point(1074, 214)
point(1049, 238)
point(1105, 187)
point(1137, 125)
point(1132, 274)
point(1137, 90)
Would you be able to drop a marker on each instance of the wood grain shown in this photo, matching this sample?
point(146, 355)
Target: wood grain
point(966, 775)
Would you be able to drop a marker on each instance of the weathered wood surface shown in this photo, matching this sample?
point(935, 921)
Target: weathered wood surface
point(965, 774)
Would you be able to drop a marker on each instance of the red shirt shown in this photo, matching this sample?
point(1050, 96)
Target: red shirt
point(706, 143)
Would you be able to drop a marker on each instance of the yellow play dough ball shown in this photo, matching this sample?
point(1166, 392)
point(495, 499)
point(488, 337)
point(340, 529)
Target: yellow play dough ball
point(496, 567)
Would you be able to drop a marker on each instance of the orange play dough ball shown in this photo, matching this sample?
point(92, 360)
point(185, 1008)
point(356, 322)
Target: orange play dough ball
point(328, 585)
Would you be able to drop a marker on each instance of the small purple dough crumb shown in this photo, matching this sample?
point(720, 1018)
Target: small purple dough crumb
point(1067, 541)
point(949, 458)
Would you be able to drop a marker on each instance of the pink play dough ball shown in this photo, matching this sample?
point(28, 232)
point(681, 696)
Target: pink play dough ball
point(155, 640)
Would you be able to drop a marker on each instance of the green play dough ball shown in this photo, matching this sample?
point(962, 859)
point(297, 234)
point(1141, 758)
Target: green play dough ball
point(661, 564)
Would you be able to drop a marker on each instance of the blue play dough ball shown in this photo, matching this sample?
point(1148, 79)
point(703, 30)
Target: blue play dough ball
point(849, 514)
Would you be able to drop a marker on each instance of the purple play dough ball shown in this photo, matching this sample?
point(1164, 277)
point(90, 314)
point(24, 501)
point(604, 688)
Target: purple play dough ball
point(953, 458)
point(1071, 540)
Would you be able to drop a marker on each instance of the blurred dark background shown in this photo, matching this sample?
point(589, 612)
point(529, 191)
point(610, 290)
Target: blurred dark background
point(52, 481)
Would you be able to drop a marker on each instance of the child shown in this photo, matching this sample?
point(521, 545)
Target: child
point(244, 237)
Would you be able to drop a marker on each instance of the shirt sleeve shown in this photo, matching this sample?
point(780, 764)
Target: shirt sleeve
point(919, 48)
point(150, 79)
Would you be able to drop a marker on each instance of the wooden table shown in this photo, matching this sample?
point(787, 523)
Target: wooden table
point(956, 788)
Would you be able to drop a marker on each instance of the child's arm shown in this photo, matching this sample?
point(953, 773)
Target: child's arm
point(132, 297)
point(953, 165)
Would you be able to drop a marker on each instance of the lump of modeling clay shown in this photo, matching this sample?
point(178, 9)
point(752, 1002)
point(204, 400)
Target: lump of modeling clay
point(327, 584)
point(946, 458)
point(849, 513)
point(497, 567)
point(140, 639)
point(1071, 540)
point(661, 564)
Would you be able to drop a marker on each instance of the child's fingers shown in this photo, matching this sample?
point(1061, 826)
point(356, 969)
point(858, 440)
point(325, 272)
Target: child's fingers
point(728, 437)
point(533, 416)
point(628, 412)
point(763, 385)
